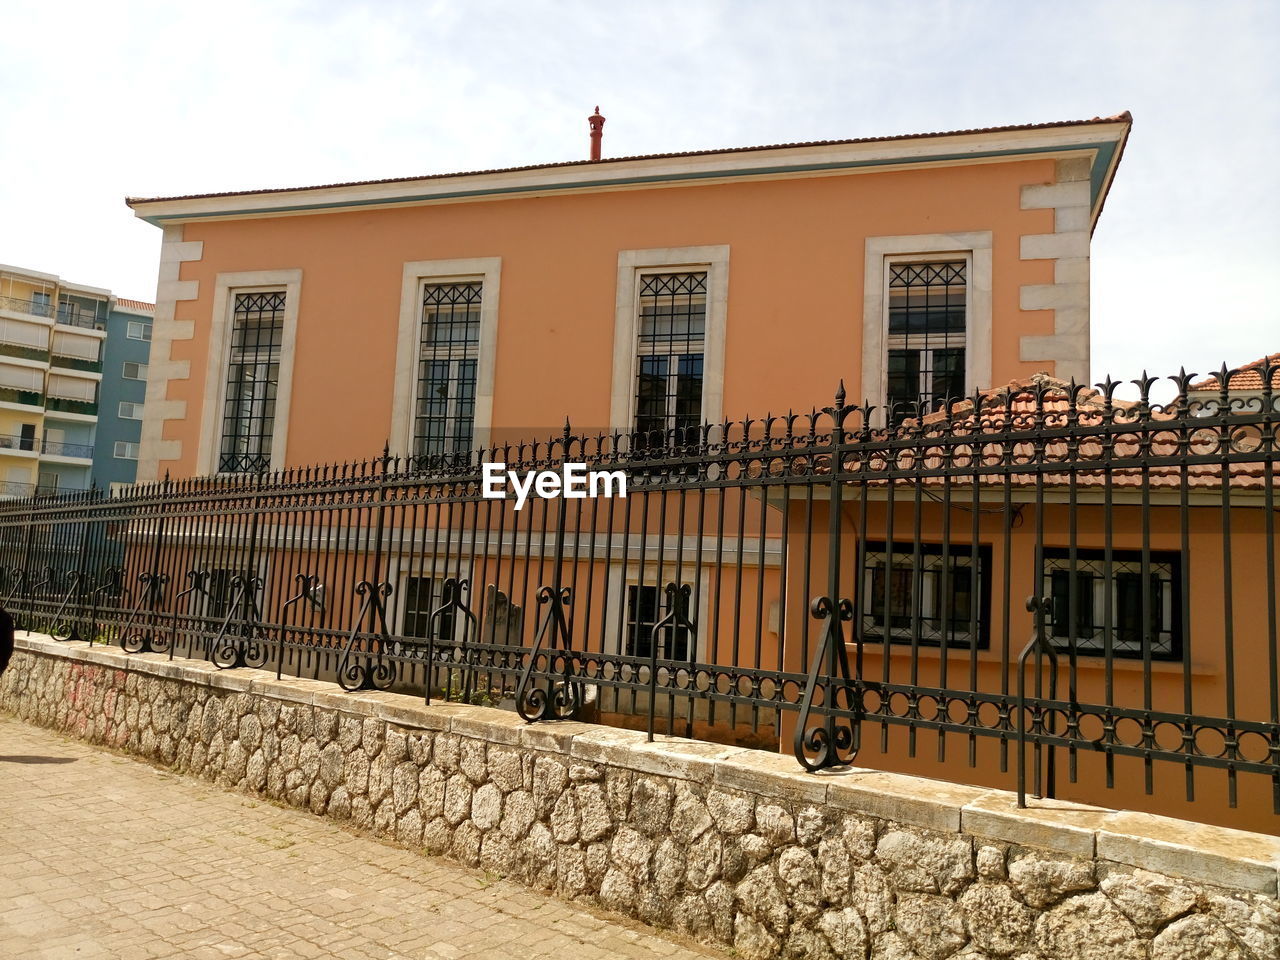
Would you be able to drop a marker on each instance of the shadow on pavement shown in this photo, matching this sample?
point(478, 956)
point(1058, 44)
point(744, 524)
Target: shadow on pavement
point(35, 759)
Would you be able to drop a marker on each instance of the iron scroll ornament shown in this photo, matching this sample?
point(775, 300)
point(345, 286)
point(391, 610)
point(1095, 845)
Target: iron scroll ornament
point(147, 638)
point(248, 647)
point(456, 650)
point(367, 670)
point(835, 741)
point(555, 699)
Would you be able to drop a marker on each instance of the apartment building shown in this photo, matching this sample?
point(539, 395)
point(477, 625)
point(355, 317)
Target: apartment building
point(64, 349)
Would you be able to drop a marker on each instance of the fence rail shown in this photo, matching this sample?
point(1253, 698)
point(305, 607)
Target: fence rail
point(1045, 571)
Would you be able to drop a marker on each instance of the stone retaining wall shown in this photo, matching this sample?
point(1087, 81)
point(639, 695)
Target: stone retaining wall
point(731, 846)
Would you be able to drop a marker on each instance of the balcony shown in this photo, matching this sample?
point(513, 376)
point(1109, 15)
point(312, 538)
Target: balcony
point(50, 448)
point(87, 408)
point(71, 315)
point(35, 308)
point(23, 444)
point(75, 363)
point(30, 398)
point(24, 351)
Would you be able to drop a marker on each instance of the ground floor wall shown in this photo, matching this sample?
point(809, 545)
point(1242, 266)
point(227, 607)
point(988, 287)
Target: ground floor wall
point(729, 845)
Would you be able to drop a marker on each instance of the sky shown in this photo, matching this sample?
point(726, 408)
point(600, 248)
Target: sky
point(107, 100)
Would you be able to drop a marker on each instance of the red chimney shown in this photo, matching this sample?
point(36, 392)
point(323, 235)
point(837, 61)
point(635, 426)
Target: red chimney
point(597, 131)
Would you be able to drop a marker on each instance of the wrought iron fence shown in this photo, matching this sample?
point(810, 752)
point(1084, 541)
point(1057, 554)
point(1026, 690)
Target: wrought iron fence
point(1043, 571)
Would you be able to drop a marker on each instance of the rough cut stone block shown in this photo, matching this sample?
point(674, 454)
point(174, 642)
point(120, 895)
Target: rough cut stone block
point(553, 736)
point(677, 757)
point(334, 697)
point(1197, 851)
point(486, 723)
point(891, 796)
point(1052, 824)
point(230, 680)
point(288, 690)
point(770, 775)
point(407, 711)
point(606, 745)
point(1040, 196)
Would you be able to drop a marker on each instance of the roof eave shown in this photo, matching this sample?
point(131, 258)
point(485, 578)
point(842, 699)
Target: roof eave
point(669, 170)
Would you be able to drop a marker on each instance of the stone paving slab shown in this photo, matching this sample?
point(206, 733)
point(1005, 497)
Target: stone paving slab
point(103, 856)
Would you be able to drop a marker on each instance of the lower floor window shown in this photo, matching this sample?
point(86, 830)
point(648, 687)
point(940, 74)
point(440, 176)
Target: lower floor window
point(646, 606)
point(422, 597)
point(915, 593)
point(1111, 603)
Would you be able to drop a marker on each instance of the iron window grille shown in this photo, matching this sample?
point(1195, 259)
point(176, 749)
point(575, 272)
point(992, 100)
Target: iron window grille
point(919, 595)
point(646, 605)
point(926, 337)
point(1117, 613)
point(253, 377)
point(448, 352)
point(673, 321)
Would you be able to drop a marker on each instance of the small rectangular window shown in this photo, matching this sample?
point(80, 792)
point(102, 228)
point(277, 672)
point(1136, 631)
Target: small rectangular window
point(126, 450)
point(129, 410)
point(422, 597)
point(920, 594)
point(1111, 607)
point(138, 330)
point(646, 606)
point(134, 371)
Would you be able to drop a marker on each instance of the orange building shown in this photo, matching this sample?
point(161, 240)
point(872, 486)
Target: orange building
point(653, 294)
point(289, 322)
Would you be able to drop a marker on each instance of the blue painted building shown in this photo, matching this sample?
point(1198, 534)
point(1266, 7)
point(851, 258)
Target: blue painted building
point(124, 386)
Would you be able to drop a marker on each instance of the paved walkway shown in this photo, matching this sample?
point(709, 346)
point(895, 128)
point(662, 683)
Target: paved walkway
point(103, 856)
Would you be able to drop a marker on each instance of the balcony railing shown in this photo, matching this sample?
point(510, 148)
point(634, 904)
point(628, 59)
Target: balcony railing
point(59, 448)
point(36, 308)
point(74, 316)
point(29, 444)
point(67, 405)
point(53, 448)
point(32, 398)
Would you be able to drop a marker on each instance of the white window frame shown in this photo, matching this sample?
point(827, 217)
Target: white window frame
point(632, 266)
point(700, 605)
point(134, 405)
point(975, 249)
point(126, 444)
point(226, 286)
point(143, 369)
point(417, 274)
point(142, 326)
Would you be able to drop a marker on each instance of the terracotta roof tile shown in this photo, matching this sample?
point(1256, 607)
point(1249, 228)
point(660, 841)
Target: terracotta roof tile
point(1248, 377)
point(136, 305)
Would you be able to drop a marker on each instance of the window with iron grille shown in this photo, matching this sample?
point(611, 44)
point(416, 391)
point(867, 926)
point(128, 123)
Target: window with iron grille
point(1109, 603)
point(646, 605)
point(672, 332)
point(926, 596)
point(422, 596)
point(253, 376)
point(448, 351)
point(926, 337)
